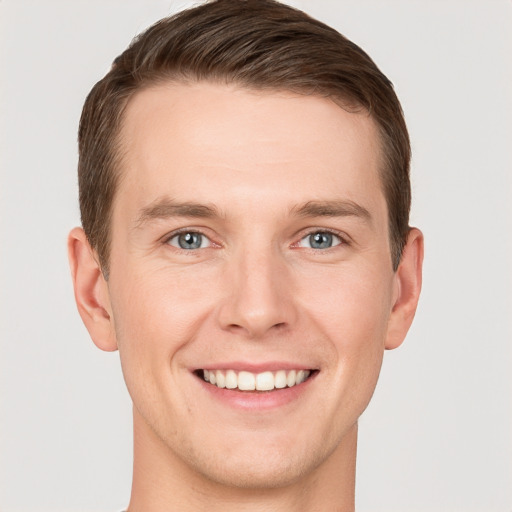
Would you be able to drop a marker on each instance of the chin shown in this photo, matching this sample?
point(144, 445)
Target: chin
point(257, 474)
point(258, 466)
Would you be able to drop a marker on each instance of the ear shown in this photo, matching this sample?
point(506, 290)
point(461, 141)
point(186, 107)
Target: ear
point(91, 291)
point(407, 289)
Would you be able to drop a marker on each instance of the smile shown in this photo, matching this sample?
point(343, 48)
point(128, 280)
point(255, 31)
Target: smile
point(247, 381)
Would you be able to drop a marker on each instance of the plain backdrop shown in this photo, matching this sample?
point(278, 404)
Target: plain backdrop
point(438, 433)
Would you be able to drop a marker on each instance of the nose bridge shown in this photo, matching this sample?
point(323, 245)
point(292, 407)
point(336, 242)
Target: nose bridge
point(258, 298)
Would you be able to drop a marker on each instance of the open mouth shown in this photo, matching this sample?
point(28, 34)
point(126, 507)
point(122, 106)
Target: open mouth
point(247, 381)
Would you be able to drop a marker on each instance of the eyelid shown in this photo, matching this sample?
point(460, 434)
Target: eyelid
point(344, 238)
point(189, 229)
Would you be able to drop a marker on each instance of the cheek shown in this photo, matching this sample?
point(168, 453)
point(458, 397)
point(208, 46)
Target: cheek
point(158, 304)
point(156, 314)
point(352, 311)
point(351, 303)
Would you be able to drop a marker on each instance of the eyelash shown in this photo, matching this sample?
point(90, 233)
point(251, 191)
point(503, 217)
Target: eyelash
point(344, 240)
point(167, 239)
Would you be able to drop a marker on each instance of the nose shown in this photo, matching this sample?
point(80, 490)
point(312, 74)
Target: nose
point(258, 295)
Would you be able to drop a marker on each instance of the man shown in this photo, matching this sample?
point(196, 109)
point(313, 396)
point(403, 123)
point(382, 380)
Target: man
point(245, 195)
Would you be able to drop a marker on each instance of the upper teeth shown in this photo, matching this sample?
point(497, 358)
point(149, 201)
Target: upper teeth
point(247, 381)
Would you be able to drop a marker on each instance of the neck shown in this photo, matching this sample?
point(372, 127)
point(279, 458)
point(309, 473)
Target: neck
point(164, 482)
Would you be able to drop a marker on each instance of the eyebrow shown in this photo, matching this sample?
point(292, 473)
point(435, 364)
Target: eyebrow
point(333, 208)
point(164, 208)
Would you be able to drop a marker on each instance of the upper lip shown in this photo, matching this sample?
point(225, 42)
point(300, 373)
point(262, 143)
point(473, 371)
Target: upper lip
point(252, 367)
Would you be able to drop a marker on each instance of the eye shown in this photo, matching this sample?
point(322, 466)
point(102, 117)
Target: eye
point(189, 240)
point(320, 240)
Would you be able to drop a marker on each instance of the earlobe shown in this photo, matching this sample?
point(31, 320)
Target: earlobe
point(91, 291)
point(407, 290)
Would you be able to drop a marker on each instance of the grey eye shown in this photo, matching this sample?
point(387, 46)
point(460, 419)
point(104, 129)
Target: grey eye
point(189, 240)
point(320, 240)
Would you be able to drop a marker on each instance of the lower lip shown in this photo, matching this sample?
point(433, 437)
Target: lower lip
point(257, 400)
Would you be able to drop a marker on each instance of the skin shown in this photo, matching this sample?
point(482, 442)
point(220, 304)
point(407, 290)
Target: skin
point(256, 292)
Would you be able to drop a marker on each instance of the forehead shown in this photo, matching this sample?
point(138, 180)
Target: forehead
point(221, 142)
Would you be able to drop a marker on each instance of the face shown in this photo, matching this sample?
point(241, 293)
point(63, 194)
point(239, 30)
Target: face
point(250, 249)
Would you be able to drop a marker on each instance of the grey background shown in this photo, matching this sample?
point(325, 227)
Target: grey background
point(438, 434)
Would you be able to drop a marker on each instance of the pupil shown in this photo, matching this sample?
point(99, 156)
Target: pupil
point(190, 240)
point(321, 240)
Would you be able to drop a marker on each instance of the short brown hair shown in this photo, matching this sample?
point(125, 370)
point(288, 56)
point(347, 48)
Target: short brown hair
point(257, 44)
